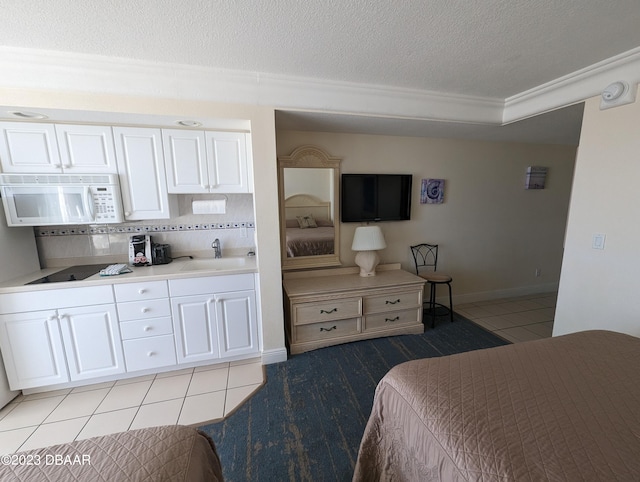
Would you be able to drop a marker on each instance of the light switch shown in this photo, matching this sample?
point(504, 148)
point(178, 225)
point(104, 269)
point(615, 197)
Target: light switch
point(598, 241)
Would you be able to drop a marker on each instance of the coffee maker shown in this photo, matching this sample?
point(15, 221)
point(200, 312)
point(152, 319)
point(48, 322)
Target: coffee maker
point(140, 250)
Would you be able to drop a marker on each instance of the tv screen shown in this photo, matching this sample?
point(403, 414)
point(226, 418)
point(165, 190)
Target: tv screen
point(375, 197)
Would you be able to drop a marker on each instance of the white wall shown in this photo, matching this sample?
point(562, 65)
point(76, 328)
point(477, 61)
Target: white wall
point(599, 288)
point(492, 233)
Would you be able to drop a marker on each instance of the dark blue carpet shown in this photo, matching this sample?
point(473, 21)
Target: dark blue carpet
point(306, 422)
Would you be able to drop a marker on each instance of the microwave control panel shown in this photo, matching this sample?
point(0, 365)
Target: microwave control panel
point(106, 204)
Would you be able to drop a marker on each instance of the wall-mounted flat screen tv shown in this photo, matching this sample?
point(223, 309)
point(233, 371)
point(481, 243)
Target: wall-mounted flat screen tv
point(375, 197)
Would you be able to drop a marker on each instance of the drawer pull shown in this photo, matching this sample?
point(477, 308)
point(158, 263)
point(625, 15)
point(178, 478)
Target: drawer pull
point(391, 319)
point(334, 327)
point(145, 310)
point(147, 328)
point(330, 311)
point(151, 353)
point(142, 291)
point(392, 302)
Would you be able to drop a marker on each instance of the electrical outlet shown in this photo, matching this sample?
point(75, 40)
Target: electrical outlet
point(538, 272)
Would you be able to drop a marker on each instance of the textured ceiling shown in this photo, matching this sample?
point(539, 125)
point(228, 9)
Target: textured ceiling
point(488, 48)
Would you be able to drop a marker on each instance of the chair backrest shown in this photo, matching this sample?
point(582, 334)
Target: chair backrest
point(425, 256)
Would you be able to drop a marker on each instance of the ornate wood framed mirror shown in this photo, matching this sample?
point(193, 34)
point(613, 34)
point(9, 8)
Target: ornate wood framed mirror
point(309, 195)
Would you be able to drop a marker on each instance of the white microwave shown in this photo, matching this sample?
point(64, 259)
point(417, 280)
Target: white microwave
point(58, 199)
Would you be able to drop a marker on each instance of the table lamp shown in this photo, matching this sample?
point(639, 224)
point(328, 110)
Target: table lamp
point(366, 241)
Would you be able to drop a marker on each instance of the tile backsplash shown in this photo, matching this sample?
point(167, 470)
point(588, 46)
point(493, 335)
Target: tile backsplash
point(187, 233)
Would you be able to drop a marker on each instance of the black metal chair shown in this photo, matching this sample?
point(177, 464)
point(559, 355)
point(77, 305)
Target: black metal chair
point(425, 257)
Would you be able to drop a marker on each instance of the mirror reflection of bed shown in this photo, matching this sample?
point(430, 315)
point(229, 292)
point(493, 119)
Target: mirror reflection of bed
point(309, 226)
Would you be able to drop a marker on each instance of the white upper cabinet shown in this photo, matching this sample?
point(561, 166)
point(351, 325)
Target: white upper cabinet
point(206, 161)
point(86, 149)
point(27, 147)
point(186, 161)
point(141, 169)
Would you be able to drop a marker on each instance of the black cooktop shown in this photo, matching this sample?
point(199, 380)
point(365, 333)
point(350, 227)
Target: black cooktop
point(74, 273)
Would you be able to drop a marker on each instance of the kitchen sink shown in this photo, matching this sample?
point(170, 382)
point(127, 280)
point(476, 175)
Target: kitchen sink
point(215, 264)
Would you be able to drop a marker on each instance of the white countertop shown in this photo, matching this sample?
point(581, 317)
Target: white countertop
point(175, 270)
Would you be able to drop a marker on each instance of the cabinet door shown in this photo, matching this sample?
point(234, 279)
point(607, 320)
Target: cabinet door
point(236, 323)
point(227, 162)
point(32, 349)
point(86, 149)
point(185, 160)
point(92, 341)
point(29, 147)
point(194, 328)
point(142, 175)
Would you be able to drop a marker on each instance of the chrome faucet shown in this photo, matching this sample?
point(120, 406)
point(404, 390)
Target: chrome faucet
point(216, 248)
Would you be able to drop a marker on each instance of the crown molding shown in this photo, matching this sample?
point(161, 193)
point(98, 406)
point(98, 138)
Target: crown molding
point(573, 88)
point(63, 71)
point(82, 73)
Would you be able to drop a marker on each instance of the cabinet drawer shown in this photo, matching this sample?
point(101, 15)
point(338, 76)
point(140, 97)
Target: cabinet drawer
point(145, 290)
point(152, 352)
point(326, 330)
point(141, 310)
point(304, 313)
point(385, 321)
point(211, 284)
point(392, 301)
point(146, 328)
point(57, 298)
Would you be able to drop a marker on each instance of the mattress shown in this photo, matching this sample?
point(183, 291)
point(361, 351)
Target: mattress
point(310, 241)
point(563, 408)
point(170, 453)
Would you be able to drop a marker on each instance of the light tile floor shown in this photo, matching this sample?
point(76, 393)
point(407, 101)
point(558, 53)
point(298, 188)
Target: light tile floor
point(186, 397)
point(517, 319)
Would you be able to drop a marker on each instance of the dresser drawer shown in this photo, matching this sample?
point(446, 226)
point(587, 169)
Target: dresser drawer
point(152, 352)
point(145, 290)
point(385, 321)
point(304, 313)
point(392, 301)
point(137, 310)
point(145, 328)
point(326, 330)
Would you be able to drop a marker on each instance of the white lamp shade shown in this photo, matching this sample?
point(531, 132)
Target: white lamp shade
point(368, 238)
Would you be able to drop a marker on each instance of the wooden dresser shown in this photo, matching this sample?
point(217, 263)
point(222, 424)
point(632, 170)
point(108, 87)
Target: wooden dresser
point(332, 306)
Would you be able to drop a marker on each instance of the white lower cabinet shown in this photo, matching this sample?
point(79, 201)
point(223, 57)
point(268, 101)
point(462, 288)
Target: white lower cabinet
point(149, 352)
point(194, 327)
point(145, 324)
point(32, 349)
point(91, 337)
point(237, 327)
point(218, 319)
point(124, 328)
point(56, 346)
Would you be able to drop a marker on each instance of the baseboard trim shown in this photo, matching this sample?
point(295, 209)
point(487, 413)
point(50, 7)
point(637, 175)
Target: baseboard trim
point(274, 356)
point(497, 294)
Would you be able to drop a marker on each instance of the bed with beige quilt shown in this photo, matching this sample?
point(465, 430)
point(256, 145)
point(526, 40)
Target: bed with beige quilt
point(156, 454)
point(564, 408)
